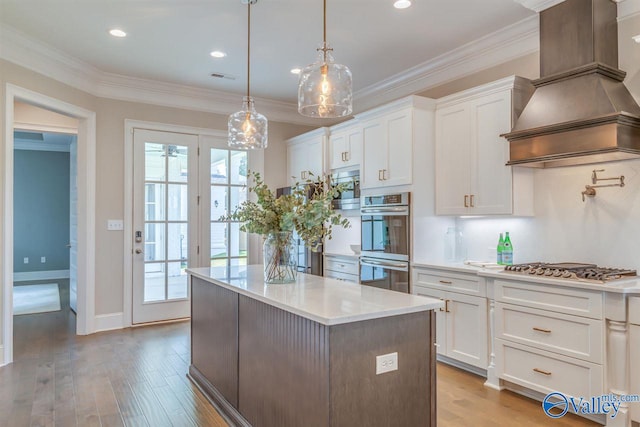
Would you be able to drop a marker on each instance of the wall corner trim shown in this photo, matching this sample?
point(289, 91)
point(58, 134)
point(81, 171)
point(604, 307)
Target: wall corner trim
point(2, 356)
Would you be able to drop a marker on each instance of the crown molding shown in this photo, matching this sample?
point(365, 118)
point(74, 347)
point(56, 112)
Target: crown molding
point(538, 5)
point(514, 41)
point(503, 45)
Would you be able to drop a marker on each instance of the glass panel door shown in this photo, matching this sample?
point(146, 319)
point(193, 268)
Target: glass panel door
point(165, 209)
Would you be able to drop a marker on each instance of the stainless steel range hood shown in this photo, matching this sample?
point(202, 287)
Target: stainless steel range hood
point(580, 112)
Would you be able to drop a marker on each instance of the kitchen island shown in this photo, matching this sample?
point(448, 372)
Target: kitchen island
point(306, 353)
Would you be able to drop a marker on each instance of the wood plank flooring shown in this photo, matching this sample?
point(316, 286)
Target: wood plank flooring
point(136, 377)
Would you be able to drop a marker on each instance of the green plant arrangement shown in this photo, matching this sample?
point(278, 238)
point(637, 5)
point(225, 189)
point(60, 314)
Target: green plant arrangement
point(307, 210)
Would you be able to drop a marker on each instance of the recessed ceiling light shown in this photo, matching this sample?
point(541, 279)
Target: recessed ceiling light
point(296, 70)
point(117, 33)
point(636, 38)
point(402, 4)
point(218, 54)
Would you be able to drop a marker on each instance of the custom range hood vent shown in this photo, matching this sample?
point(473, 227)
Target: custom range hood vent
point(580, 112)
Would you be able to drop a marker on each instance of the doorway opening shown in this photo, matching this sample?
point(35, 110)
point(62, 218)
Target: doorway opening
point(45, 218)
point(15, 97)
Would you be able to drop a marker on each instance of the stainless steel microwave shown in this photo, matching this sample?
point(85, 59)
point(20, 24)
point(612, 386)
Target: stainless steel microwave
point(349, 198)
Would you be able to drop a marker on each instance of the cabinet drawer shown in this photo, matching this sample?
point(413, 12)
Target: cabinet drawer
point(559, 333)
point(550, 297)
point(456, 282)
point(342, 265)
point(342, 276)
point(547, 372)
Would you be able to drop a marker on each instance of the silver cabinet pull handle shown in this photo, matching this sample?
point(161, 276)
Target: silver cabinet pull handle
point(466, 200)
point(540, 371)
point(546, 331)
point(471, 200)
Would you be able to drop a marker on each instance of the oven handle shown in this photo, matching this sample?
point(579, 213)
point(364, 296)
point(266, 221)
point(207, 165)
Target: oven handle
point(400, 210)
point(400, 266)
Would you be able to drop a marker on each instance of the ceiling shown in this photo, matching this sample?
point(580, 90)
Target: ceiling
point(170, 40)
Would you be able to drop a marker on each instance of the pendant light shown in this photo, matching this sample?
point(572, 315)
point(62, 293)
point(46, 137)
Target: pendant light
point(324, 88)
point(247, 127)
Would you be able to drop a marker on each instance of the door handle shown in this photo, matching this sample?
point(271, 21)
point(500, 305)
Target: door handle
point(138, 251)
point(68, 245)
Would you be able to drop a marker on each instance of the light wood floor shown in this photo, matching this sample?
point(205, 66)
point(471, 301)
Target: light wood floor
point(136, 377)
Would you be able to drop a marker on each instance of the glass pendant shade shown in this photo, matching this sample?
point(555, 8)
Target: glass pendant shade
point(247, 127)
point(325, 88)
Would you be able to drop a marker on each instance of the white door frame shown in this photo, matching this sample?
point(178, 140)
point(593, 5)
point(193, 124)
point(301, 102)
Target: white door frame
point(86, 210)
point(255, 162)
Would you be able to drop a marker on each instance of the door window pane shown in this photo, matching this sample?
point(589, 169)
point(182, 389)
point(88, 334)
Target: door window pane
point(154, 282)
point(178, 203)
point(238, 167)
point(238, 244)
point(154, 242)
point(219, 170)
point(218, 240)
point(238, 195)
point(154, 161)
point(177, 163)
point(177, 241)
point(176, 280)
point(154, 202)
point(218, 201)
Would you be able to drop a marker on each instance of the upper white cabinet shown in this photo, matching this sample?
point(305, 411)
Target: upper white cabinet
point(388, 135)
point(306, 155)
point(345, 145)
point(471, 175)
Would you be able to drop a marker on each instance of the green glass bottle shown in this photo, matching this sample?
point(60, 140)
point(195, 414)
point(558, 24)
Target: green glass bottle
point(507, 251)
point(500, 249)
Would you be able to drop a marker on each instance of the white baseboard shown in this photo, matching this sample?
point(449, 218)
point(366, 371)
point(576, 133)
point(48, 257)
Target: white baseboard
point(40, 275)
point(108, 322)
point(461, 365)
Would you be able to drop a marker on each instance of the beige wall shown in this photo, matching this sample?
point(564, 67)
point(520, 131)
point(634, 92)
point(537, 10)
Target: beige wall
point(110, 117)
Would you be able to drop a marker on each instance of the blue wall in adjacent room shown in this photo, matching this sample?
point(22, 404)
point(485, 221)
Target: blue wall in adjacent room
point(41, 210)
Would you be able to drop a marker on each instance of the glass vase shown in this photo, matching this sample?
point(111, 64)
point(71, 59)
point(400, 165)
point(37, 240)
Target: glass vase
point(280, 258)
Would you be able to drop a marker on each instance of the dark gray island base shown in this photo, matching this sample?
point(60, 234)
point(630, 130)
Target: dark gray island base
point(262, 365)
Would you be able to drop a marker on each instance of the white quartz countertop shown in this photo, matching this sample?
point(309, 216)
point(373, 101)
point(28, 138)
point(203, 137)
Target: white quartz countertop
point(323, 300)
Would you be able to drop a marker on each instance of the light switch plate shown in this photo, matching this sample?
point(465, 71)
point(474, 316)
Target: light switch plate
point(115, 225)
point(386, 363)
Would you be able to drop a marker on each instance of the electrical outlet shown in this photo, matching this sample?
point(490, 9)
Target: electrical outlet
point(386, 363)
point(26, 260)
point(43, 259)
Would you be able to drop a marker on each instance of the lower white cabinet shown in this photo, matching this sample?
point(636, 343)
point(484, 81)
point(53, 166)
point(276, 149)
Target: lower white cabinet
point(342, 267)
point(461, 326)
point(549, 338)
point(634, 355)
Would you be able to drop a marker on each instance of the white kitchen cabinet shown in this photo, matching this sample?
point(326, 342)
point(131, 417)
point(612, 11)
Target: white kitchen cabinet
point(388, 137)
point(342, 267)
point(345, 145)
point(471, 175)
point(634, 355)
point(549, 338)
point(306, 155)
point(461, 326)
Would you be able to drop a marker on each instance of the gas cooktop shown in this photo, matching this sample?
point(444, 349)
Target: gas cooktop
point(572, 271)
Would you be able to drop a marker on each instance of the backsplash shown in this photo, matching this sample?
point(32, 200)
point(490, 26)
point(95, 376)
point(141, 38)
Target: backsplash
point(604, 230)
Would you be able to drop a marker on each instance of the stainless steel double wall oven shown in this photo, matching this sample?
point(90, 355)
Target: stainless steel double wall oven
point(385, 251)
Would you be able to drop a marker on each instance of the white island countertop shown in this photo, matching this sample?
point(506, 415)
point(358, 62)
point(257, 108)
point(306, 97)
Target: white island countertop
point(323, 300)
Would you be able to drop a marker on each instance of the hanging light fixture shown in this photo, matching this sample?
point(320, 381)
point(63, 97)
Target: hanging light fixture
point(324, 88)
point(247, 127)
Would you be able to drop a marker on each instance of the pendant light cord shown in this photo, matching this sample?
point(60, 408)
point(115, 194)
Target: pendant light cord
point(249, 48)
point(324, 30)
